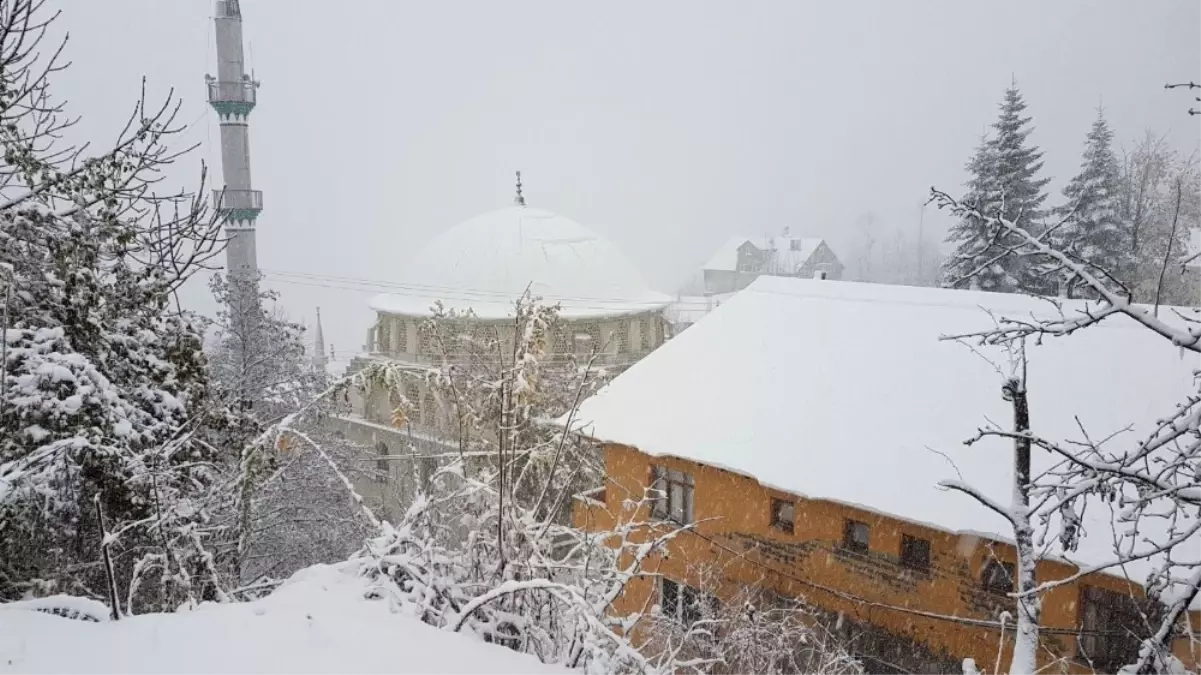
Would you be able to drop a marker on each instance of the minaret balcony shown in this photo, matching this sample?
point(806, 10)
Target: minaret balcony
point(238, 204)
point(233, 99)
point(228, 9)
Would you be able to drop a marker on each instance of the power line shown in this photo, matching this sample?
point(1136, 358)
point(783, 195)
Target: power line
point(430, 289)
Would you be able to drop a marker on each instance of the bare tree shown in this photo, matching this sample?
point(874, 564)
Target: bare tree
point(1155, 480)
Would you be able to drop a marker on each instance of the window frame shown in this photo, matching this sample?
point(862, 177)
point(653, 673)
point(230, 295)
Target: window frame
point(849, 543)
point(987, 574)
point(383, 469)
point(777, 521)
point(910, 544)
point(675, 488)
point(1106, 652)
point(688, 604)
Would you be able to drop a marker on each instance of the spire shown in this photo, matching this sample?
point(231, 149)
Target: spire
point(319, 358)
point(520, 198)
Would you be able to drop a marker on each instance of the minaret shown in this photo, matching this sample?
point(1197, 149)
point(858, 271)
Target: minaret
point(319, 357)
point(233, 94)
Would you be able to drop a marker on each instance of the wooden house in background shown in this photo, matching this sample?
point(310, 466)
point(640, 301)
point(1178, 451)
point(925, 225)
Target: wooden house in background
point(804, 427)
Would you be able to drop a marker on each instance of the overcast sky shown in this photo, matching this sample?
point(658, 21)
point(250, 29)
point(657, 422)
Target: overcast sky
point(666, 126)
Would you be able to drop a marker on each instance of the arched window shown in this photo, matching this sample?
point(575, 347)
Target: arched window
point(402, 336)
point(621, 335)
point(414, 396)
point(425, 338)
point(428, 410)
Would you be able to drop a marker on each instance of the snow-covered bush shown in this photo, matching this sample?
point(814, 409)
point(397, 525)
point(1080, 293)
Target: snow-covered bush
point(103, 392)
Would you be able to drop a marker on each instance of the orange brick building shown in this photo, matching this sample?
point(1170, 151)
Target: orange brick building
point(855, 522)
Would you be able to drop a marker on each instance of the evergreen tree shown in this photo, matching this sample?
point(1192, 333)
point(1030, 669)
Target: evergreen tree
point(977, 261)
point(1093, 231)
point(1004, 182)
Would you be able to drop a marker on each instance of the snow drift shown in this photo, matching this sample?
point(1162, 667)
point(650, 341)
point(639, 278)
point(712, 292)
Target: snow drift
point(318, 621)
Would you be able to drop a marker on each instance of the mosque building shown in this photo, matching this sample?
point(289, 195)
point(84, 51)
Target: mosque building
point(607, 312)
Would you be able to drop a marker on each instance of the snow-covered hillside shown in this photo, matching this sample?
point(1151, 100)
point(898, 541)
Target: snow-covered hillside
point(316, 622)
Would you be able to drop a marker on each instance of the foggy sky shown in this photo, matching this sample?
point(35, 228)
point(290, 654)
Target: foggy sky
point(666, 126)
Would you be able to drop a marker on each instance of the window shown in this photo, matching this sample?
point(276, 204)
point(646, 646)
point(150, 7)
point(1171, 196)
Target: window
point(685, 603)
point(644, 333)
point(915, 552)
point(414, 397)
point(783, 514)
point(402, 336)
point(673, 496)
point(587, 339)
point(997, 577)
point(383, 335)
point(429, 415)
point(381, 464)
point(1117, 617)
point(621, 335)
point(855, 536)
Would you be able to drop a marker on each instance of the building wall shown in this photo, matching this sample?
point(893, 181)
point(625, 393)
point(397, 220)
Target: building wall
point(629, 336)
point(735, 538)
point(726, 281)
point(751, 265)
point(822, 259)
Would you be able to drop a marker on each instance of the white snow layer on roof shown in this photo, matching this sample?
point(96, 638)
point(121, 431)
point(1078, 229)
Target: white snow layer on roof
point(726, 257)
point(843, 391)
point(689, 309)
point(317, 622)
point(487, 262)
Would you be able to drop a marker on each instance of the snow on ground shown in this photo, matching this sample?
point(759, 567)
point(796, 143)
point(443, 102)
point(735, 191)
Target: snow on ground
point(487, 262)
point(317, 622)
point(843, 391)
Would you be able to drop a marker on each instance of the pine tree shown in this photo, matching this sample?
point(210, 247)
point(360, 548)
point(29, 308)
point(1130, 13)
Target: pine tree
point(1004, 182)
point(976, 261)
point(1093, 231)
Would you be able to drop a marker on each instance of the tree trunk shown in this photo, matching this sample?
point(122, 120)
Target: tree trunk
point(109, 574)
point(1025, 647)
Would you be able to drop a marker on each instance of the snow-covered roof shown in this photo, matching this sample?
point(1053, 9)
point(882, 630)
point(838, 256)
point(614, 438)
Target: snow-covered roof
point(689, 309)
point(487, 262)
point(318, 622)
point(843, 391)
point(726, 257)
point(790, 252)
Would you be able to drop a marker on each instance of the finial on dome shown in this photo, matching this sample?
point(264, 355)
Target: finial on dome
point(520, 198)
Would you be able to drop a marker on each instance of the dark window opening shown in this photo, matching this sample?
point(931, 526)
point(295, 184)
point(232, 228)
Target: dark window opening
point(855, 536)
point(672, 495)
point(997, 577)
point(381, 463)
point(915, 552)
point(685, 603)
point(1112, 628)
point(783, 514)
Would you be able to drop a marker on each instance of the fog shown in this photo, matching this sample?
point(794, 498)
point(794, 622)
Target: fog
point(665, 126)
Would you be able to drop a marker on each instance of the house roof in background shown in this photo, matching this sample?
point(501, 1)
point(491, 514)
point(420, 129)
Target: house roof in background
point(786, 258)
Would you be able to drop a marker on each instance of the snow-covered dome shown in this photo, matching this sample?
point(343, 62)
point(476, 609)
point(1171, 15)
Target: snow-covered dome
point(487, 262)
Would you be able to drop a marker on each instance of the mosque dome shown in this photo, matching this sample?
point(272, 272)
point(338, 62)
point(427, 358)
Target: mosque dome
point(487, 262)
